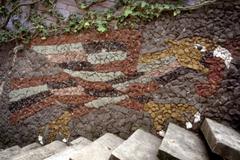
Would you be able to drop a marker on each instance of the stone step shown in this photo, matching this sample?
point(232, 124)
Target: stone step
point(66, 154)
point(100, 149)
point(30, 147)
point(181, 144)
point(222, 140)
point(140, 145)
point(9, 152)
point(42, 152)
point(81, 140)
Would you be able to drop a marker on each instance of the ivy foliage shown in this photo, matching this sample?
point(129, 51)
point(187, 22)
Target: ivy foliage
point(132, 13)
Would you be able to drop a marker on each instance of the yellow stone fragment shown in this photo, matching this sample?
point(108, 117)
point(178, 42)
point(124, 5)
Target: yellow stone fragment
point(58, 126)
point(179, 113)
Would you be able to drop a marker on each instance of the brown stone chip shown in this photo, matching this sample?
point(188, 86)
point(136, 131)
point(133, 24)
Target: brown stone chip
point(131, 104)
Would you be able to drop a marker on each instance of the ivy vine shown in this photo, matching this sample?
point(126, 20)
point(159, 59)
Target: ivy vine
point(132, 13)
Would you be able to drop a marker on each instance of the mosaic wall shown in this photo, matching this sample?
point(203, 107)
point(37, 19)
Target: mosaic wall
point(92, 78)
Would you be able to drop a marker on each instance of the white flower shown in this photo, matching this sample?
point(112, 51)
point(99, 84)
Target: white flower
point(188, 125)
point(161, 133)
point(197, 117)
point(40, 139)
point(224, 54)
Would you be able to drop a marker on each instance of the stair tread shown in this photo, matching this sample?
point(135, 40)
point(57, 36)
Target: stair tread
point(30, 147)
point(140, 145)
point(222, 140)
point(42, 152)
point(81, 140)
point(9, 152)
point(100, 149)
point(66, 154)
point(182, 144)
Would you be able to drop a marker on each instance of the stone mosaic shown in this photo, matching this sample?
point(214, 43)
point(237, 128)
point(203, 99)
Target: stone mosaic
point(97, 83)
point(165, 113)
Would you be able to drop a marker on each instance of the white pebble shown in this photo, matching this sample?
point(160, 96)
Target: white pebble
point(188, 125)
point(197, 117)
point(224, 54)
point(161, 133)
point(64, 140)
point(40, 139)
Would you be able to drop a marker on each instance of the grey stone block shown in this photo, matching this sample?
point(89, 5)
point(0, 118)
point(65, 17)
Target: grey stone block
point(30, 147)
point(81, 140)
point(100, 149)
point(181, 144)
point(222, 140)
point(140, 145)
point(10, 152)
point(67, 153)
point(42, 152)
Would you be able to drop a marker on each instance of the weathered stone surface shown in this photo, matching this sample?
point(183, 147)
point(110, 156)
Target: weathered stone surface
point(66, 154)
point(100, 149)
point(67, 8)
point(81, 140)
point(140, 145)
point(42, 152)
point(10, 152)
point(180, 144)
point(222, 140)
point(30, 147)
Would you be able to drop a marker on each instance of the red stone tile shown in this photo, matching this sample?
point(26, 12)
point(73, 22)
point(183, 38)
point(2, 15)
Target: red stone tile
point(102, 86)
point(215, 76)
point(18, 83)
point(81, 111)
point(132, 104)
point(138, 89)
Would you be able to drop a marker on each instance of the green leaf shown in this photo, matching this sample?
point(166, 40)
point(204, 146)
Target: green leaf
point(143, 4)
point(176, 12)
point(83, 6)
point(86, 24)
point(109, 15)
point(128, 11)
point(101, 25)
point(166, 6)
point(101, 28)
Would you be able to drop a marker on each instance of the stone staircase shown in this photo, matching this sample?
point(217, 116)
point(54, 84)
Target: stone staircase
point(178, 143)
